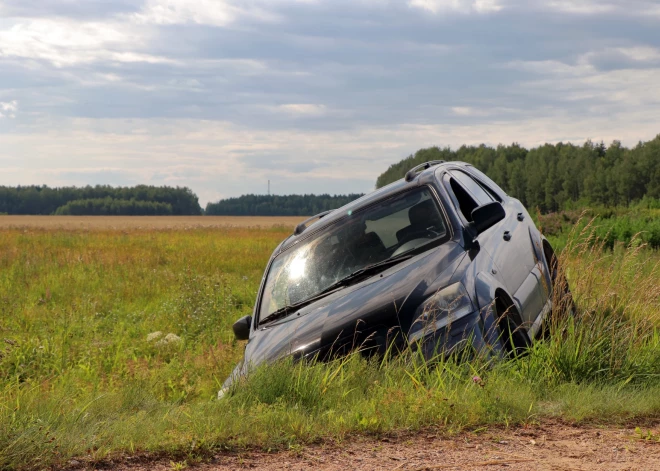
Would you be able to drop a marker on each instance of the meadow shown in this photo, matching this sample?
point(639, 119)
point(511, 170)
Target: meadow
point(87, 370)
point(143, 222)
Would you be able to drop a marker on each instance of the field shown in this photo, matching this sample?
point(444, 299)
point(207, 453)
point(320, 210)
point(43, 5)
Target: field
point(85, 370)
point(143, 222)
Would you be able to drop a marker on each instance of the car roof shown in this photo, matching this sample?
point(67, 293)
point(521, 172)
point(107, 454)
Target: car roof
point(381, 193)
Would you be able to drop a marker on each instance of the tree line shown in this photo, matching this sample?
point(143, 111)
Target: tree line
point(111, 207)
point(557, 176)
point(99, 200)
point(278, 205)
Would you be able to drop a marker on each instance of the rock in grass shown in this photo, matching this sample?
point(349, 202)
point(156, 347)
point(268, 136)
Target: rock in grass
point(154, 336)
point(170, 339)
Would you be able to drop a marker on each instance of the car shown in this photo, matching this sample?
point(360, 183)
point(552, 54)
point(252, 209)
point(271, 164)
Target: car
point(438, 260)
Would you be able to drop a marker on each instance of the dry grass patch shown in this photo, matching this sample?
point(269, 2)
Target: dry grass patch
point(145, 222)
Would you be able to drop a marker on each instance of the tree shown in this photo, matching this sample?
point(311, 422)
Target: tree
point(100, 199)
point(552, 177)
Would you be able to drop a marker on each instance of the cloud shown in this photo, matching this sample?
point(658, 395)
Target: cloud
point(303, 109)
point(65, 42)
point(462, 6)
point(615, 58)
point(466, 111)
point(89, 9)
point(640, 53)
point(203, 12)
point(169, 12)
point(8, 109)
point(577, 8)
point(583, 7)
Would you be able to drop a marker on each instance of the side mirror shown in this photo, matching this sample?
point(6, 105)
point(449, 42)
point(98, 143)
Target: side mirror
point(242, 328)
point(486, 216)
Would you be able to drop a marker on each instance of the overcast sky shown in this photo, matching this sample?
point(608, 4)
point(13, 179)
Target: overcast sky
point(317, 96)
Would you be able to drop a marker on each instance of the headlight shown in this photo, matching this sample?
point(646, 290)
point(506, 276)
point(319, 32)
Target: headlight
point(446, 306)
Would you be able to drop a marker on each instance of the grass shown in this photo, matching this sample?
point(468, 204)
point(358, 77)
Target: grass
point(611, 226)
point(78, 376)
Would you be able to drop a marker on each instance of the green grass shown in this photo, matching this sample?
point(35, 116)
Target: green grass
point(610, 226)
point(79, 378)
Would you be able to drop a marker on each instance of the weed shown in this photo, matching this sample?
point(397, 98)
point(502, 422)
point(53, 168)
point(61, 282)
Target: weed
point(178, 465)
point(647, 435)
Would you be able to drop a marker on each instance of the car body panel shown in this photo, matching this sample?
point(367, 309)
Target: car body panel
point(508, 243)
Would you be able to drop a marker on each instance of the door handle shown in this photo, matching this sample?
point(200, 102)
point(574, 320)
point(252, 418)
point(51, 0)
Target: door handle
point(521, 216)
point(507, 236)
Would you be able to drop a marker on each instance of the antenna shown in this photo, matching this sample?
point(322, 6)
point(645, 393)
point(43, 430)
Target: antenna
point(268, 187)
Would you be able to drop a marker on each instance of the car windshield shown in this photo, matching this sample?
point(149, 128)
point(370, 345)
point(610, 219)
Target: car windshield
point(389, 228)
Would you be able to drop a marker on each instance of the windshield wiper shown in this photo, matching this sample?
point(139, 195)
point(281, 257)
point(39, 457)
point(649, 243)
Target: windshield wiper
point(286, 310)
point(366, 271)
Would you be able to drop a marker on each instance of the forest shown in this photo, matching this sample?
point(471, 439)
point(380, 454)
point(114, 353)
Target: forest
point(278, 205)
point(99, 200)
point(559, 176)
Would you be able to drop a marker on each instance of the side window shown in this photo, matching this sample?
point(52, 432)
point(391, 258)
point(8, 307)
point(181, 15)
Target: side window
point(489, 185)
point(473, 187)
point(465, 202)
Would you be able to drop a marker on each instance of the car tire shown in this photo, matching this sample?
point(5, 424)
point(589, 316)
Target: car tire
point(513, 338)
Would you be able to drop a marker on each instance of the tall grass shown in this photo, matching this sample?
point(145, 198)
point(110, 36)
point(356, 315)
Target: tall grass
point(610, 226)
point(79, 378)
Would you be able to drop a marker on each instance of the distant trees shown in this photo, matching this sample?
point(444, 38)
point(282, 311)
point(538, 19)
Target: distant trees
point(557, 176)
point(146, 200)
point(278, 205)
point(99, 200)
point(111, 207)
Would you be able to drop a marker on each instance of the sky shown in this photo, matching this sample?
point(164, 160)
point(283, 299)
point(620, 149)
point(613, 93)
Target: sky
point(315, 96)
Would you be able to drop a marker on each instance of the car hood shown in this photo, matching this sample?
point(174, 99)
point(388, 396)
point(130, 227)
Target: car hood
point(371, 307)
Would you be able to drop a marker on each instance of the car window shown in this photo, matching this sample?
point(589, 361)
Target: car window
point(385, 229)
point(394, 226)
point(489, 185)
point(466, 203)
point(473, 187)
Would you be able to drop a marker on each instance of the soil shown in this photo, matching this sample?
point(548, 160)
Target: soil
point(551, 446)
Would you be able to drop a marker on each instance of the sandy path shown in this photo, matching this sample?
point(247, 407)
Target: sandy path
point(545, 447)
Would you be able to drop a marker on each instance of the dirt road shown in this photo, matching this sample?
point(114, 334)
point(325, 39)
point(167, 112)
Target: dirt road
point(545, 447)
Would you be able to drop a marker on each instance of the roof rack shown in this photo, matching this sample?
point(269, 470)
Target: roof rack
point(410, 174)
point(300, 228)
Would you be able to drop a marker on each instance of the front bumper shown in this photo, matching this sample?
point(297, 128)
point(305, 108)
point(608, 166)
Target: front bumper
point(454, 338)
point(460, 335)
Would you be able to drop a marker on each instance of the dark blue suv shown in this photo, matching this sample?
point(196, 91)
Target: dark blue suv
point(432, 260)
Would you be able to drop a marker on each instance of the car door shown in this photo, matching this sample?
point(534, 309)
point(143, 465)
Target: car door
point(465, 202)
point(509, 245)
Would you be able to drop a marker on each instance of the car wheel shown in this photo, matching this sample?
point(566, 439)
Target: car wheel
point(513, 338)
